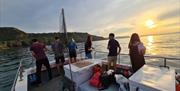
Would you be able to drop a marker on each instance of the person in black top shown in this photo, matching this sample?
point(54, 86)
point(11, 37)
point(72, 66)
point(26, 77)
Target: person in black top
point(113, 45)
point(88, 47)
point(136, 52)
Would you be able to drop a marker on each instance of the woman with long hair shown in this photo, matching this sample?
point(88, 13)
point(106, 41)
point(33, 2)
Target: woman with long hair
point(88, 47)
point(136, 52)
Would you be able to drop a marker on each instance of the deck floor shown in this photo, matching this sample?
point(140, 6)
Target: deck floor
point(56, 84)
point(53, 85)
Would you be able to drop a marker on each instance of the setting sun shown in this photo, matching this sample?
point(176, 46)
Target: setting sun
point(150, 24)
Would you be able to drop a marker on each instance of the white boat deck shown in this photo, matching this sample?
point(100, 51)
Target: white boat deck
point(57, 83)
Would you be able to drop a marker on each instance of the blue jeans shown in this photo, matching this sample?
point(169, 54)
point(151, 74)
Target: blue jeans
point(88, 55)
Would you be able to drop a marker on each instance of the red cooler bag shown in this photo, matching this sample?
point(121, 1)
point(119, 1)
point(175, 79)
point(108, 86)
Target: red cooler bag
point(94, 81)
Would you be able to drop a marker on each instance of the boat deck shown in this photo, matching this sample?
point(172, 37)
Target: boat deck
point(55, 84)
point(58, 83)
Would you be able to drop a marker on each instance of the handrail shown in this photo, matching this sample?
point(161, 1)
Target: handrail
point(150, 56)
point(16, 77)
point(95, 51)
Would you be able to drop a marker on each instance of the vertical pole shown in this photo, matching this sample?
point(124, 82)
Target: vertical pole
point(119, 58)
point(66, 41)
point(94, 54)
point(164, 62)
point(64, 27)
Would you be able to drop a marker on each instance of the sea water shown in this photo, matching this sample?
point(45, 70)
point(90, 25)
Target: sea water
point(167, 45)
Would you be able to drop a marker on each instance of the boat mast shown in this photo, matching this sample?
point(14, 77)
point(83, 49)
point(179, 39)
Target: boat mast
point(66, 42)
point(64, 27)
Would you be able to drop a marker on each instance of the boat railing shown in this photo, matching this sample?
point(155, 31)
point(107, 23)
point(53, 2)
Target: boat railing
point(146, 56)
point(18, 73)
point(20, 68)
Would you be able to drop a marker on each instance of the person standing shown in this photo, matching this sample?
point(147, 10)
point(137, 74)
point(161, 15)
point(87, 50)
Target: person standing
point(88, 47)
point(136, 52)
point(113, 45)
point(72, 50)
point(38, 51)
point(58, 49)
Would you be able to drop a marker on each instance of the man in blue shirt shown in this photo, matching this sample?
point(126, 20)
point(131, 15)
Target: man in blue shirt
point(72, 50)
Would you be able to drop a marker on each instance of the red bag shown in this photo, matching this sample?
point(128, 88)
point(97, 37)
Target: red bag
point(96, 68)
point(126, 73)
point(178, 87)
point(94, 81)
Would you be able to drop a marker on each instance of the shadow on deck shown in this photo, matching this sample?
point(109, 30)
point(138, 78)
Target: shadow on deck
point(58, 83)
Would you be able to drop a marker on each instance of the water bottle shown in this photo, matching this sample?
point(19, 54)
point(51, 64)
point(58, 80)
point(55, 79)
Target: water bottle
point(33, 77)
point(30, 78)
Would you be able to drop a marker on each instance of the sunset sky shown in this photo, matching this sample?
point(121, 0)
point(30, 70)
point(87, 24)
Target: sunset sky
point(98, 17)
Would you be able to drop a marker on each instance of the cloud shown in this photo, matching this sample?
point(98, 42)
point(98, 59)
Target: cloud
point(97, 17)
point(122, 30)
point(170, 14)
point(171, 24)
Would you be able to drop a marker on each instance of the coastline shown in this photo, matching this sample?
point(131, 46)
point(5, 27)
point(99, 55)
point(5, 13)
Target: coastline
point(3, 47)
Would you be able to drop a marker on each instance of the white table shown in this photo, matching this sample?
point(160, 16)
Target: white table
point(150, 78)
point(81, 75)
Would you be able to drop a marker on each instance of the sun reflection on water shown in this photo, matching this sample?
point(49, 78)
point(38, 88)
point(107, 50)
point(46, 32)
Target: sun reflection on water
point(150, 39)
point(150, 46)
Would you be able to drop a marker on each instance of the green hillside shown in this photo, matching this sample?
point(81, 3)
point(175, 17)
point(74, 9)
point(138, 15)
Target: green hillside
point(12, 37)
point(10, 33)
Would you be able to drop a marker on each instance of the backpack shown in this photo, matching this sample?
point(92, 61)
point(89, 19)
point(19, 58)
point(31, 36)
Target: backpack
point(104, 79)
point(94, 81)
point(96, 68)
point(107, 79)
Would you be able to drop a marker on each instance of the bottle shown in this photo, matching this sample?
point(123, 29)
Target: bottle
point(33, 77)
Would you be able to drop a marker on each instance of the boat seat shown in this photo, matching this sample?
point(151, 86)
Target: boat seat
point(87, 87)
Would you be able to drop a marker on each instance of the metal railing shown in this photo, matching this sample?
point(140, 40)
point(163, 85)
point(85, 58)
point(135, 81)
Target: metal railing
point(20, 68)
point(19, 72)
point(146, 56)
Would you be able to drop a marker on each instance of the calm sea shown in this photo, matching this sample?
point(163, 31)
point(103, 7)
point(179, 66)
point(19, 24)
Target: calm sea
point(159, 45)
